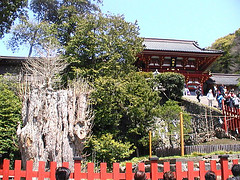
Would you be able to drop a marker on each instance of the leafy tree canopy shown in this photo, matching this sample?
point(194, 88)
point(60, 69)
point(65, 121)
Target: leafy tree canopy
point(103, 45)
point(36, 35)
point(169, 85)
point(125, 107)
point(60, 16)
point(9, 11)
point(10, 116)
point(56, 11)
point(230, 61)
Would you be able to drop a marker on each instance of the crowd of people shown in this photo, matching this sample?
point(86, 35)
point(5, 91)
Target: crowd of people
point(228, 96)
point(220, 94)
point(63, 173)
point(210, 175)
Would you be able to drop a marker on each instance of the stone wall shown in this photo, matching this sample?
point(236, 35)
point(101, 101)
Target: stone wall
point(205, 120)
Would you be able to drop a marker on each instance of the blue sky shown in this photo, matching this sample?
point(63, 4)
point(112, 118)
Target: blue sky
point(201, 20)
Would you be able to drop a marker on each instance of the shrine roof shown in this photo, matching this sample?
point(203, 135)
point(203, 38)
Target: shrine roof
point(226, 79)
point(176, 45)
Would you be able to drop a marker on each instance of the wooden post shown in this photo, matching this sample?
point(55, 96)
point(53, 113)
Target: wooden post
point(5, 173)
point(224, 166)
point(77, 167)
point(154, 168)
point(181, 134)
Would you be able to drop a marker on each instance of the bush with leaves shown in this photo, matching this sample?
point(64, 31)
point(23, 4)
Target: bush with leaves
point(170, 117)
point(109, 150)
point(10, 116)
point(125, 107)
point(172, 84)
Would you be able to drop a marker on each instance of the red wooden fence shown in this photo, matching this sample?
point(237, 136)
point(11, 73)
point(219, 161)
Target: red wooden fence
point(224, 172)
point(231, 118)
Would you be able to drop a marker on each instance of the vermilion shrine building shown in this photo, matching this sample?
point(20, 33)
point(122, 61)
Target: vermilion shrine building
point(180, 56)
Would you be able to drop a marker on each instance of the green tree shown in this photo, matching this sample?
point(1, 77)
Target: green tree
point(230, 61)
point(63, 13)
point(10, 10)
point(10, 117)
point(103, 45)
point(169, 85)
point(126, 108)
point(34, 35)
point(53, 18)
point(224, 63)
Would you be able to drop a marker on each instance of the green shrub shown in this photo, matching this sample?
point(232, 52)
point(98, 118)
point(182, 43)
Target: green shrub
point(109, 150)
point(172, 83)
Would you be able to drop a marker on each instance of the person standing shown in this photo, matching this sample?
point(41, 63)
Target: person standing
point(210, 97)
point(221, 89)
point(236, 101)
point(198, 93)
point(219, 100)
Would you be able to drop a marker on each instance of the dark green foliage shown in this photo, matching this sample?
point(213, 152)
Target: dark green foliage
point(59, 12)
point(65, 14)
point(103, 45)
point(125, 108)
point(230, 61)
point(172, 85)
point(9, 11)
point(10, 117)
point(106, 149)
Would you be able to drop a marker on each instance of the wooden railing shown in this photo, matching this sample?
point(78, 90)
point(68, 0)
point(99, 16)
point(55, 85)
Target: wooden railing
point(231, 118)
point(192, 172)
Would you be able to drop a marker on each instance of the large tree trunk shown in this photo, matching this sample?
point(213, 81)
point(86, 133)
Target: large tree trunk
point(55, 124)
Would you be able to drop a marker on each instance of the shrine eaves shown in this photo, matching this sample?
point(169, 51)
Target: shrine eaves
point(180, 56)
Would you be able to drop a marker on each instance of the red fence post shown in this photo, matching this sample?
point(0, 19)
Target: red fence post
point(6, 164)
point(154, 168)
point(77, 167)
point(179, 172)
point(129, 174)
point(53, 167)
point(224, 166)
point(29, 170)
point(116, 174)
point(103, 171)
point(17, 170)
point(190, 172)
point(41, 170)
point(90, 170)
point(202, 169)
